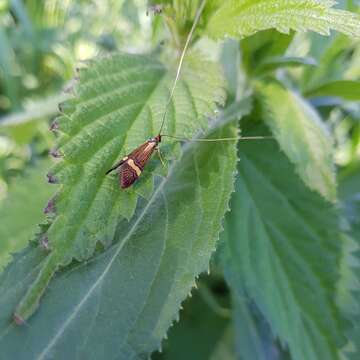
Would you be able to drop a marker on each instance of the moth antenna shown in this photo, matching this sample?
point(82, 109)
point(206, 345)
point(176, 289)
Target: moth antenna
point(222, 139)
point(187, 42)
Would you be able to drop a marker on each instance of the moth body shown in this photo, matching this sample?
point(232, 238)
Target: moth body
point(132, 165)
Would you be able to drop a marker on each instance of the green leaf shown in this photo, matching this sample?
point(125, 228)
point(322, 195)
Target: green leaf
point(119, 104)
point(350, 266)
point(252, 335)
point(10, 88)
point(262, 46)
point(21, 210)
point(200, 321)
point(246, 17)
point(283, 248)
point(230, 59)
point(302, 136)
point(346, 89)
point(333, 53)
point(275, 63)
point(21, 14)
point(348, 293)
point(121, 303)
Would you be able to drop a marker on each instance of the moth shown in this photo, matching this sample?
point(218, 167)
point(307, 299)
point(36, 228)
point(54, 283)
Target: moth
point(132, 165)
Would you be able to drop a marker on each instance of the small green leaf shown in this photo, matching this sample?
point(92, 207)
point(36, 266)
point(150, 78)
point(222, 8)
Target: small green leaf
point(118, 105)
point(346, 89)
point(21, 210)
point(333, 54)
point(121, 303)
point(302, 136)
point(262, 46)
point(246, 17)
point(283, 246)
point(275, 63)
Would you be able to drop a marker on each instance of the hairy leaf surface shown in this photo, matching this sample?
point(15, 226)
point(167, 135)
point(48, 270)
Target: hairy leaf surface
point(120, 304)
point(118, 105)
point(242, 18)
point(283, 250)
point(302, 136)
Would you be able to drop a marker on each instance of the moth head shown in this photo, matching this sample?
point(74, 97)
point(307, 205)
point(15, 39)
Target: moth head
point(156, 139)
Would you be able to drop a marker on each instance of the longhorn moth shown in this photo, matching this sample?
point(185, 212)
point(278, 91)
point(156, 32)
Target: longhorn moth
point(131, 166)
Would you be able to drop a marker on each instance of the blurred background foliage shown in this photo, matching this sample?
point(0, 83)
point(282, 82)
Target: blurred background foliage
point(42, 43)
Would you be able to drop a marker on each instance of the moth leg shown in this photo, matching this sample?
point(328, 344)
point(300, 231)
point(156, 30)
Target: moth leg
point(119, 163)
point(160, 157)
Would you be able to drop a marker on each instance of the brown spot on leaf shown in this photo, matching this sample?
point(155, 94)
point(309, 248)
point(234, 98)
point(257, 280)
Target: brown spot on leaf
point(50, 207)
point(54, 126)
point(55, 153)
point(51, 178)
point(44, 242)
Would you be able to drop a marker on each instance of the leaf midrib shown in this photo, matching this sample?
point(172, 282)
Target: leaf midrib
point(130, 329)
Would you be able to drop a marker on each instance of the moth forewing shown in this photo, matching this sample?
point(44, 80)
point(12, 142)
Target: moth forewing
point(132, 165)
point(142, 154)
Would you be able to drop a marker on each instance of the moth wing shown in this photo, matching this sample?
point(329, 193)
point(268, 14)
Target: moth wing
point(127, 176)
point(142, 154)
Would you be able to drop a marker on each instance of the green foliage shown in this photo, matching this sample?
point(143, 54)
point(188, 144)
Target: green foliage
point(262, 48)
point(34, 111)
point(274, 63)
point(346, 89)
point(151, 265)
point(334, 55)
point(246, 17)
point(252, 336)
point(210, 325)
point(301, 135)
point(117, 107)
point(274, 234)
point(350, 267)
point(21, 211)
point(121, 262)
point(41, 41)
